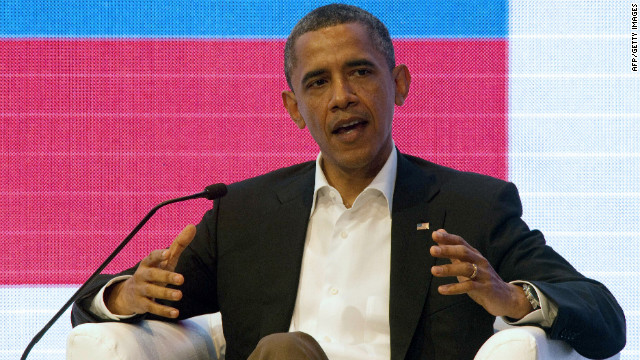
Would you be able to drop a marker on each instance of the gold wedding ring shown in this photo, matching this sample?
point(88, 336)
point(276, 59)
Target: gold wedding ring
point(475, 272)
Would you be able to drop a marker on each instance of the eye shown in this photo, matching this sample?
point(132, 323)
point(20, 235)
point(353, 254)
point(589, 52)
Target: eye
point(316, 83)
point(362, 72)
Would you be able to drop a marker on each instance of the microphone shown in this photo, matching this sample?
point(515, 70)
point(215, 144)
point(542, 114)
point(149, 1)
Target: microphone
point(210, 192)
point(215, 191)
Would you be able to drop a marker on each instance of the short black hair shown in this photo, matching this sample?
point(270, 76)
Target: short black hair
point(337, 14)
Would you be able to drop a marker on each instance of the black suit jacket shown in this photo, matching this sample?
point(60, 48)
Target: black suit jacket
point(245, 262)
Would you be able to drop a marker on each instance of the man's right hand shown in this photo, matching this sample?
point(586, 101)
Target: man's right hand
point(137, 294)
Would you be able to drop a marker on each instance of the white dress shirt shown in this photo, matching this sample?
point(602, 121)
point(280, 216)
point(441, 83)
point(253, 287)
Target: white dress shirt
point(343, 295)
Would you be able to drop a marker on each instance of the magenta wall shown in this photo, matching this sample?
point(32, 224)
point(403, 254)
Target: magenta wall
point(94, 132)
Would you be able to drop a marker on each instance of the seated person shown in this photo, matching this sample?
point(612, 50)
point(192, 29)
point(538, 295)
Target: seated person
point(365, 253)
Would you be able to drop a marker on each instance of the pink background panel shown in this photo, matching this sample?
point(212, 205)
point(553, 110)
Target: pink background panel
point(96, 132)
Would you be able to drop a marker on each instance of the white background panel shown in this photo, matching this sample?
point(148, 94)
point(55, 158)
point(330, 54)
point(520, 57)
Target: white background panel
point(570, 134)
point(583, 212)
point(569, 17)
point(594, 254)
point(575, 172)
point(24, 311)
point(574, 138)
point(574, 94)
point(549, 56)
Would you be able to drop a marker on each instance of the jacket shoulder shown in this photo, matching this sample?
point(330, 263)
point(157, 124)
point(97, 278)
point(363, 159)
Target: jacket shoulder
point(447, 176)
point(267, 190)
point(280, 178)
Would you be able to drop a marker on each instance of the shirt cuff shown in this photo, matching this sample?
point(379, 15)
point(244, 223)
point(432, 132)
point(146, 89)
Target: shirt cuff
point(99, 308)
point(543, 317)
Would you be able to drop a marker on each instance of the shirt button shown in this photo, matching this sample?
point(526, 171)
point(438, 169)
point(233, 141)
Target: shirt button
point(334, 291)
point(332, 194)
point(343, 234)
point(327, 339)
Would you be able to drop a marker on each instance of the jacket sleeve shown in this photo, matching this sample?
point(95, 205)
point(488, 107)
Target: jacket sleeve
point(589, 318)
point(80, 312)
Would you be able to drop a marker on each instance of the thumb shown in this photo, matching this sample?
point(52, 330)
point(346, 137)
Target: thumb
point(178, 245)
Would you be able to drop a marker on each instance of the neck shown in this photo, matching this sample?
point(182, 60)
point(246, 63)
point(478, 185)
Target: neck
point(351, 182)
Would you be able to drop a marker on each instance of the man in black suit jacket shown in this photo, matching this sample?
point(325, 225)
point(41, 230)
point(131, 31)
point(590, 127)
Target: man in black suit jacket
point(446, 287)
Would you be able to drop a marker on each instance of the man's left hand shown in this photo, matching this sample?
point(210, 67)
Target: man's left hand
point(480, 282)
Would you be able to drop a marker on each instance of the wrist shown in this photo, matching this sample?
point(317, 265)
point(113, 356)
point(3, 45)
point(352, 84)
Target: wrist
point(522, 305)
point(113, 300)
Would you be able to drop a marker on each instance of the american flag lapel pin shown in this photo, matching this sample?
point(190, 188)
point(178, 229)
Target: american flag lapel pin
point(422, 226)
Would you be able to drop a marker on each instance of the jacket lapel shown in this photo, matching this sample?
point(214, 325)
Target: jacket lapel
point(282, 239)
point(410, 259)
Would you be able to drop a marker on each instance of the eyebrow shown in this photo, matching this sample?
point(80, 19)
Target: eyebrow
point(360, 62)
point(311, 74)
point(350, 64)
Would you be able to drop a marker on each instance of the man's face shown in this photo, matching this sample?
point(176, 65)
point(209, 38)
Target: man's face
point(344, 93)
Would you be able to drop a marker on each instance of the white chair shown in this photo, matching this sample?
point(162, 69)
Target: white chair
point(201, 338)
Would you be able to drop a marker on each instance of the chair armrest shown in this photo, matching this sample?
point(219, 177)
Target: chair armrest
point(194, 339)
point(526, 343)
point(201, 338)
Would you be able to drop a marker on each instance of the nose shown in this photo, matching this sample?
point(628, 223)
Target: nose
point(343, 95)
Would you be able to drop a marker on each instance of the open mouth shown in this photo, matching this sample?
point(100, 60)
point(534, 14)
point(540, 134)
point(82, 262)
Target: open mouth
point(349, 126)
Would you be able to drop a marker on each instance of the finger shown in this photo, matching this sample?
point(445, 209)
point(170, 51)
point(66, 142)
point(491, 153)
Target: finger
point(132, 297)
point(152, 307)
point(457, 252)
point(154, 291)
point(159, 276)
point(442, 237)
point(179, 244)
point(464, 269)
point(457, 288)
point(154, 258)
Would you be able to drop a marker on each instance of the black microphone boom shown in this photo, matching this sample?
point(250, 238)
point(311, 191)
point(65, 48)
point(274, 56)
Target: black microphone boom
point(211, 192)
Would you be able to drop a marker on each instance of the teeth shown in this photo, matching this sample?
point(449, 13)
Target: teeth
point(350, 124)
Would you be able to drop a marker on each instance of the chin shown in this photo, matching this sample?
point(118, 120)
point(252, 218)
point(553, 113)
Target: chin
point(356, 161)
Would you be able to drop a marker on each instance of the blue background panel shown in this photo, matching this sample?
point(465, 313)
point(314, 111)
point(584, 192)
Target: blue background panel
point(233, 19)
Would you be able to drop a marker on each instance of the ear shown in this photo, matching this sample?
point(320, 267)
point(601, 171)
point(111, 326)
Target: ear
point(291, 104)
point(402, 80)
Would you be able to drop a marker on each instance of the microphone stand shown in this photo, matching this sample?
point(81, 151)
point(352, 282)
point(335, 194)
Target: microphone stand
point(211, 192)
